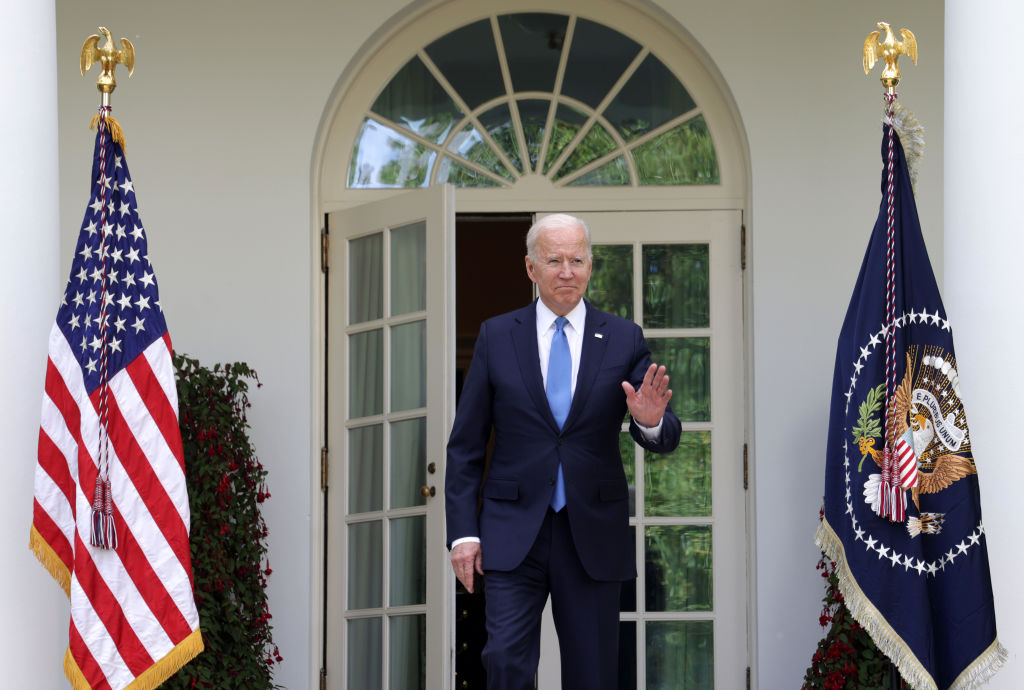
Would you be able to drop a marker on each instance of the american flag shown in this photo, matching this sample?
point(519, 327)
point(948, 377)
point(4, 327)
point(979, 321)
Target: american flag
point(110, 408)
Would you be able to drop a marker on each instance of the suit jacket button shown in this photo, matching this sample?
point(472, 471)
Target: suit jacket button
point(551, 481)
point(561, 441)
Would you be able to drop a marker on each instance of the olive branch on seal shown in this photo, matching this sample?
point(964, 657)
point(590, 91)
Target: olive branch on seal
point(869, 427)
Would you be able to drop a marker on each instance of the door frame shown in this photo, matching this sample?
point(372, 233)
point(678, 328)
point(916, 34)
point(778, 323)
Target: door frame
point(375, 62)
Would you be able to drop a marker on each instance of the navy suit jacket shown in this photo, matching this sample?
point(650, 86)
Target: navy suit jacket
point(504, 389)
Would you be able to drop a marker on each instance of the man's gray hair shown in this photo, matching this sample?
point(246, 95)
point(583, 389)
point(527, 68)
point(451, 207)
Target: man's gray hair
point(552, 222)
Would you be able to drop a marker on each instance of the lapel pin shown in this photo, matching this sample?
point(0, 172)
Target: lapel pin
point(599, 335)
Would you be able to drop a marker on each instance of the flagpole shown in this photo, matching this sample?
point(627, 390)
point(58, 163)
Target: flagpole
point(897, 465)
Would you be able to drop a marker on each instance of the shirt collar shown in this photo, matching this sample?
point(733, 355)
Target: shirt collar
point(546, 318)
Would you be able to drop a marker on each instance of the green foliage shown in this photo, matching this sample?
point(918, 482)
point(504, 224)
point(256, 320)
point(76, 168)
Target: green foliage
point(225, 489)
point(846, 658)
point(868, 425)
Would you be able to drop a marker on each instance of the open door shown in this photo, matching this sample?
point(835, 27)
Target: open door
point(390, 391)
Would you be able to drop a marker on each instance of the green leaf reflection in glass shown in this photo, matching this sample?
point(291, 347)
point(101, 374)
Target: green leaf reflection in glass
point(596, 143)
point(416, 101)
point(611, 281)
point(461, 176)
point(678, 567)
point(568, 122)
point(534, 115)
point(472, 145)
point(498, 123)
point(676, 293)
point(683, 155)
point(680, 654)
point(688, 362)
point(614, 173)
point(383, 158)
point(679, 483)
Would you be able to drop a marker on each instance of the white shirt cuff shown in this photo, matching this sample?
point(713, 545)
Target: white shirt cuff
point(651, 433)
point(461, 540)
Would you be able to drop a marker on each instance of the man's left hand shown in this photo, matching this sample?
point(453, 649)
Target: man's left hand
point(648, 402)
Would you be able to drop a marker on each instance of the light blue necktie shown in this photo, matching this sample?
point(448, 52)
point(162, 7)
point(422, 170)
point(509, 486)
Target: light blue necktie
point(559, 390)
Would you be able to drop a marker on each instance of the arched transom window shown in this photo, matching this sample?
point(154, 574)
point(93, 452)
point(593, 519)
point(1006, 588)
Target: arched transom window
point(516, 95)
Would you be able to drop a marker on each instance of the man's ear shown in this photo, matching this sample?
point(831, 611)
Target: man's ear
point(529, 269)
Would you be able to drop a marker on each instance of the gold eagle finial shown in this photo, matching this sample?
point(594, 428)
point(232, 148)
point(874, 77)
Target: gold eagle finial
point(108, 56)
point(889, 50)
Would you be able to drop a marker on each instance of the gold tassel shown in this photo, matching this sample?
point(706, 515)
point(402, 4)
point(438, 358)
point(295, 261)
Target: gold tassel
point(113, 126)
point(156, 674)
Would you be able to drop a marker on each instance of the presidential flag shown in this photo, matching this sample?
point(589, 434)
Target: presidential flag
point(111, 516)
point(902, 509)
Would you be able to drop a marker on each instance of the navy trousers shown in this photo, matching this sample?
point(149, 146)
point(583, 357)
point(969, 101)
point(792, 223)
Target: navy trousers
point(586, 614)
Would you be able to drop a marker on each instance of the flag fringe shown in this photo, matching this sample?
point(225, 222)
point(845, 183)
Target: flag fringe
point(886, 639)
point(983, 668)
point(50, 560)
point(911, 134)
point(171, 663)
point(116, 132)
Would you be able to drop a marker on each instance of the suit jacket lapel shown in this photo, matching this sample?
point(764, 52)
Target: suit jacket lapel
point(594, 344)
point(524, 339)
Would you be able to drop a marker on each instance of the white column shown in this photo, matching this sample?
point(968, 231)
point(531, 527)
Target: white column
point(984, 246)
point(34, 631)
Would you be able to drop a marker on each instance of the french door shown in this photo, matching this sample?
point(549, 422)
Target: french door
point(683, 620)
point(390, 401)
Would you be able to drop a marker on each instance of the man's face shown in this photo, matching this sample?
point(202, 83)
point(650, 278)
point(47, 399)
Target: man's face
point(562, 268)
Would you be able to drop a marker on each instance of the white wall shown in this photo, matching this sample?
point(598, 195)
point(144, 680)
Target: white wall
point(220, 120)
point(36, 610)
point(983, 241)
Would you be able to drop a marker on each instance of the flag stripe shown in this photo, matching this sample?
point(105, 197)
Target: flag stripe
point(85, 661)
point(147, 374)
point(106, 608)
point(52, 535)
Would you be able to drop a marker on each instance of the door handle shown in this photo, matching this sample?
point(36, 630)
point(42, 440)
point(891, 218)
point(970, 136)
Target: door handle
point(427, 491)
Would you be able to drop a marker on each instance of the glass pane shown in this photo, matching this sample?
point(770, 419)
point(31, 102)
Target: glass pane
point(533, 47)
point(498, 123)
point(597, 59)
point(611, 282)
point(680, 654)
point(676, 286)
point(366, 469)
point(627, 449)
point(688, 362)
point(365, 657)
point(627, 655)
point(568, 121)
point(462, 176)
point(415, 100)
point(365, 278)
point(409, 268)
point(682, 155)
point(366, 373)
point(365, 565)
point(651, 97)
point(611, 174)
point(408, 366)
point(471, 145)
point(408, 653)
point(678, 570)
point(408, 561)
point(468, 60)
point(679, 483)
point(383, 158)
point(596, 142)
point(408, 462)
point(534, 115)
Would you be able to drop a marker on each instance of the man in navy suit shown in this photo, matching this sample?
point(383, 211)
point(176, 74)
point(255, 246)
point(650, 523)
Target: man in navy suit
point(554, 380)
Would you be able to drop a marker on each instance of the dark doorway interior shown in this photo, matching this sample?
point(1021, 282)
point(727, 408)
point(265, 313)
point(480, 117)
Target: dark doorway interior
point(490, 279)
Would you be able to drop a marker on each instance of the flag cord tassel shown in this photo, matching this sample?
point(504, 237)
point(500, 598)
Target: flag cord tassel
point(892, 497)
point(103, 532)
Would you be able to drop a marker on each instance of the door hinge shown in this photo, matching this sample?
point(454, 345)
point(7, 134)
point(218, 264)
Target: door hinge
point(746, 468)
point(323, 678)
point(748, 678)
point(325, 244)
point(323, 468)
point(743, 247)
